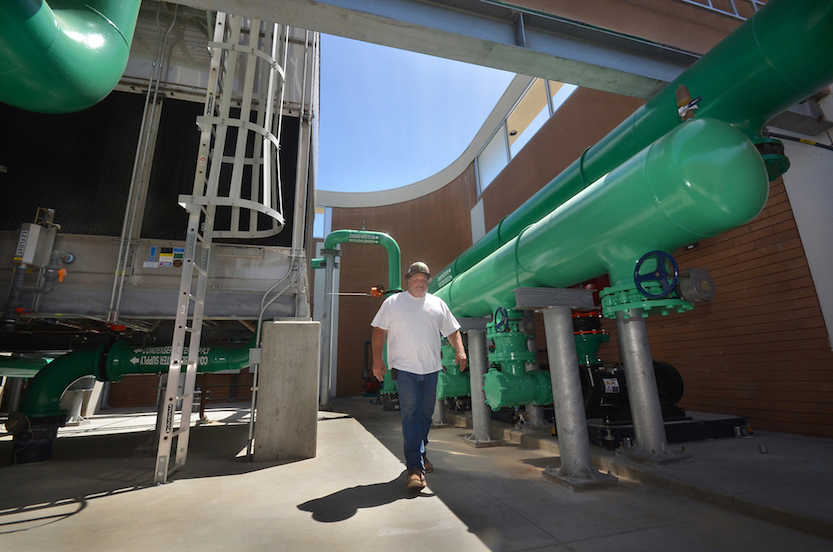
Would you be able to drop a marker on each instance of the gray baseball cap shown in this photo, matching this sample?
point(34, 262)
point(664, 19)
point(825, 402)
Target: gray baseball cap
point(418, 267)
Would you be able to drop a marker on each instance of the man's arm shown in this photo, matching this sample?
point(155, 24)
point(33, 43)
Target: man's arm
point(378, 346)
point(456, 341)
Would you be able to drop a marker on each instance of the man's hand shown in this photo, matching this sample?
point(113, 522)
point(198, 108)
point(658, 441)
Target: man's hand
point(378, 345)
point(459, 351)
point(379, 370)
point(460, 359)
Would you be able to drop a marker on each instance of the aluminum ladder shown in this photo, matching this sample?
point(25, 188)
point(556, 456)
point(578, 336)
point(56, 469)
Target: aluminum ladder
point(245, 50)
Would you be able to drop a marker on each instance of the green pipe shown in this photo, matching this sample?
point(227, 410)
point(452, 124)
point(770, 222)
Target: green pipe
point(777, 58)
point(587, 346)
point(451, 382)
point(43, 394)
point(512, 385)
point(511, 350)
point(21, 367)
point(112, 361)
point(510, 389)
point(701, 179)
point(63, 56)
point(374, 238)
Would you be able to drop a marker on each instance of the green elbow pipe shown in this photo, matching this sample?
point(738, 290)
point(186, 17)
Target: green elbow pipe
point(43, 394)
point(374, 238)
point(701, 179)
point(777, 58)
point(63, 57)
point(111, 362)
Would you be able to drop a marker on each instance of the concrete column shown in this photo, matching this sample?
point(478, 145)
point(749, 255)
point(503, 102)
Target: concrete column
point(438, 417)
point(573, 441)
point(480, 412)
point(287, 406)
point(651, 444)
point(327, 327)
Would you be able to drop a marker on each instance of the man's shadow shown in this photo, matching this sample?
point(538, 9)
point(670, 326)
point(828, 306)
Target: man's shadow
point(344, 504)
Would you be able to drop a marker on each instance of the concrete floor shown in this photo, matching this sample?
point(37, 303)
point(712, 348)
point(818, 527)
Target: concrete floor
point(97, 493)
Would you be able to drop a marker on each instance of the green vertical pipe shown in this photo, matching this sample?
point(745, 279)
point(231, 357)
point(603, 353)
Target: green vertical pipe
point(63, 56)
point(587, 346)
point(777, 58)
point(451, 382)
point(374, 238)
point(701, 179)
point(112, 361)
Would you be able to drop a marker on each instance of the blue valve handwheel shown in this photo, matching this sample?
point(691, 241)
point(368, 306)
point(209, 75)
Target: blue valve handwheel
point(667, 279)
point(501, 319)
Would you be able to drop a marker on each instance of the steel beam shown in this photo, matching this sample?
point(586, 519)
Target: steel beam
point(485, 33)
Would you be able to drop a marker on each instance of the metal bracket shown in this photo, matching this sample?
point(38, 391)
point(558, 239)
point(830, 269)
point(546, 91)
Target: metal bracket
point(520, 33)
point(543, 298)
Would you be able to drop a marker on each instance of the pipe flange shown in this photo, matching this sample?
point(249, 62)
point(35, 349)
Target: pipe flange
point(626, 297)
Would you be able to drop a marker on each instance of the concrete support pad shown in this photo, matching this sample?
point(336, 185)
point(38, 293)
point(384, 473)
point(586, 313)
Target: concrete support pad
point(482, 443)
point(287, 406)
point(596, 480)
point(666, 457)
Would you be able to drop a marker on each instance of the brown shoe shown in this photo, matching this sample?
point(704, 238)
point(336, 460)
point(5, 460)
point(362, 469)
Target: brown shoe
point(429, 467)
point(415, 480)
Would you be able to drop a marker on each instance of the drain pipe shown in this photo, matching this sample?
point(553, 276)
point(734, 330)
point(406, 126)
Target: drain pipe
point(140, 164)
point(65, 59)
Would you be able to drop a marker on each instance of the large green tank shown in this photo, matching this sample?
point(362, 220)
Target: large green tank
point(701, 179)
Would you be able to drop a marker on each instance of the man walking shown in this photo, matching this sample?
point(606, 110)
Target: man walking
point(412, 322)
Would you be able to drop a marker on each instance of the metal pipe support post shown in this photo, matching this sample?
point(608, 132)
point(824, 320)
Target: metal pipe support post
point(480, 413)
point(651, 444)
point(573, 441)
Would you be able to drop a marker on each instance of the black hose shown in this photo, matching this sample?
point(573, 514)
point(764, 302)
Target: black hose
point(794, 139)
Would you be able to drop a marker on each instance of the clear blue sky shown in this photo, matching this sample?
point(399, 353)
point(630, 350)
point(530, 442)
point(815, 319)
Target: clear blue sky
point(390, 117)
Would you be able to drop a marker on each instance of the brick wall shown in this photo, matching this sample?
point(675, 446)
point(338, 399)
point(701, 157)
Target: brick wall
point(760, 348)
point(139, 390)
point(434, 228)
point(585, 118)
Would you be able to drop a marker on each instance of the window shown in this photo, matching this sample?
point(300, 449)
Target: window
point(559, 92)
point(320, 224)
point(538, 103)
point(493, 158)
point(529, 115)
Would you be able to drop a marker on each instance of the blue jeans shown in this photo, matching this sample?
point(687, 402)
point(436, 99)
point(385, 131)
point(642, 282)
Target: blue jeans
point(417, 396)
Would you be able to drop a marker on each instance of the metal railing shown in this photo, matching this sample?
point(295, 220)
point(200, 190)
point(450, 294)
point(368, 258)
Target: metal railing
point(729, 7)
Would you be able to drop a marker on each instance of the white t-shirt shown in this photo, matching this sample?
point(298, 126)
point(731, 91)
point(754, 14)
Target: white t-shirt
point(414, 325)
